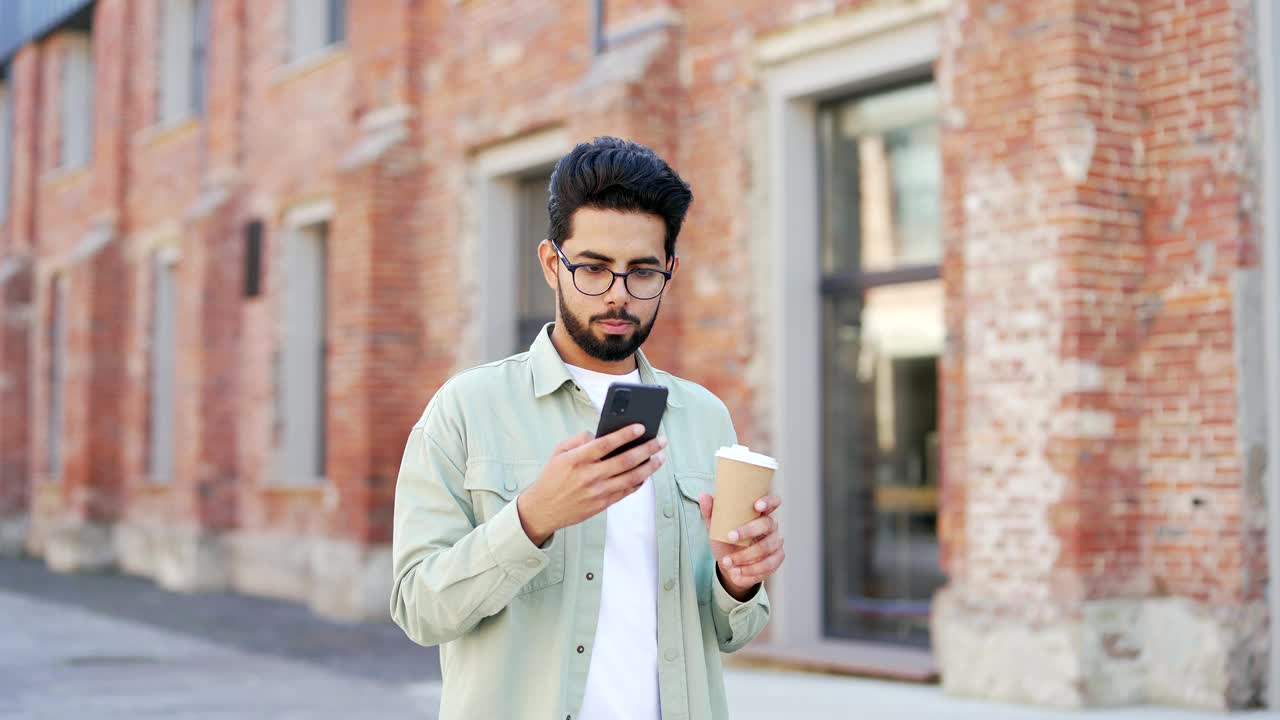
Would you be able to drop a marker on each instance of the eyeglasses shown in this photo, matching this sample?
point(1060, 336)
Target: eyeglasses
point(596, 279)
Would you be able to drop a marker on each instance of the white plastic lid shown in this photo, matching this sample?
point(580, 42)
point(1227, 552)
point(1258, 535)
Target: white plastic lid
point(742, 454)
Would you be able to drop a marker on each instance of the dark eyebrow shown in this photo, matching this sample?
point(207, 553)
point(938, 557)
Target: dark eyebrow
point(593, 255)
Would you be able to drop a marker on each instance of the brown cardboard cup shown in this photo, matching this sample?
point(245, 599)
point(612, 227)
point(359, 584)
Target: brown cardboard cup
point(742, 478)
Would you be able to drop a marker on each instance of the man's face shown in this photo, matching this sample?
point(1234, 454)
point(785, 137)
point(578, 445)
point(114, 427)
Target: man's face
point(612, 326)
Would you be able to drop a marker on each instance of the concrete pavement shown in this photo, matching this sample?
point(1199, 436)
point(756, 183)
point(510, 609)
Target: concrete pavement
point(770, 695)
point(114, 647)
point(63, 662)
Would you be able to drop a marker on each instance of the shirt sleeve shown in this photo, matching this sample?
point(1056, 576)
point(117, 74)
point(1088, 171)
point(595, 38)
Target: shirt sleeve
point(448, 573)
point(737, 623)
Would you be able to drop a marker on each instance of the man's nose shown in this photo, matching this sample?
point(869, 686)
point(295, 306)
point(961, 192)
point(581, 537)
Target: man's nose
point(618, 294)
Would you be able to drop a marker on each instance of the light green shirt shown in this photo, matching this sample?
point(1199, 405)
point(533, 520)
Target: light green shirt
point(515, 622)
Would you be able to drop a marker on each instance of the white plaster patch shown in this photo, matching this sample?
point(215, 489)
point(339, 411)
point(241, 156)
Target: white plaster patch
point(1012, 379)
point(1003, 658)
point(1076, 144)
point(1188, 655)
point(506, 54)
point(1081, 376)
point(804, 11)
point(1083, 424)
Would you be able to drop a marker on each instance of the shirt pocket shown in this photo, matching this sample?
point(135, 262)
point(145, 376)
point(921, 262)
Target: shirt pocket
point(691, 485)
point(494, 485)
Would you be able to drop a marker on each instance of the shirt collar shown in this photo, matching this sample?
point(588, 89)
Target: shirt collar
point(550, 372)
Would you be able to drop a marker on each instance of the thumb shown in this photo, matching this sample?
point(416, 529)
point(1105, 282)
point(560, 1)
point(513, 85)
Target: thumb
point(573, 441)
point(705, 503)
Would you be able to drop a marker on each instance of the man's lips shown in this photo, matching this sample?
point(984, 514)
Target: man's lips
point(615, 326)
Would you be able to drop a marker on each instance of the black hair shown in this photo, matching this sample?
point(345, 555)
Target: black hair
point(609, 173)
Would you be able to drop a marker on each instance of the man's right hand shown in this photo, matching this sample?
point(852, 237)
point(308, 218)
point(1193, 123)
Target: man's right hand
point(577, 483)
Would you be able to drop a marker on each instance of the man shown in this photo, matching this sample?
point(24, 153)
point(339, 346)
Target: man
point(559, 584)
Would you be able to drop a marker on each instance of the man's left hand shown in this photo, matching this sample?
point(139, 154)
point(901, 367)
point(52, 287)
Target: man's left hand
point(741, 569)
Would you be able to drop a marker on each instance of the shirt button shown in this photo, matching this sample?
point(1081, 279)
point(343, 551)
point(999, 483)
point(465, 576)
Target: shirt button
point(510, 484)
point(671, 655)
point(581, 649)
point(666, 510)
point(590, 576)
point(670, 584)
point(531, 562)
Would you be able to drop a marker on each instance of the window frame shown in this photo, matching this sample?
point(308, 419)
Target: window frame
point(55, 379)
point(834, 287)
point(301, 452)
point(162, 406)
point(6, 144)
point(76, 101)
point(328, 30)
point(182, 60)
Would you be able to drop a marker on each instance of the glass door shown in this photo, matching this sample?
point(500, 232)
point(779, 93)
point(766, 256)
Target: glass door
point(882, 337)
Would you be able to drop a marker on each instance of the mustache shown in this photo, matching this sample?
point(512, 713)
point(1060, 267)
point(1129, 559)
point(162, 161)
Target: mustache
point(617, 315)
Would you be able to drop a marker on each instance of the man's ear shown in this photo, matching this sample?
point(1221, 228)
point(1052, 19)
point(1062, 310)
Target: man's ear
point(549, 261)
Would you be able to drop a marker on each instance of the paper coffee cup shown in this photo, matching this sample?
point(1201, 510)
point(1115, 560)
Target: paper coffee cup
point(742, 478)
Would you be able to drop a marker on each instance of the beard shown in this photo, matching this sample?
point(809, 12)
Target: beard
point(613, 347)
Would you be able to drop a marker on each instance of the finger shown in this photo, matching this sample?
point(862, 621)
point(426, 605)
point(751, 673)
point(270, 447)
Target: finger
point(705, 504)
point(602, 446)
point(764, 547)
point(758, 571)
point(571, 442)
point(768, 504)
point(615, 497)
point(754, 529)
point(634, 477)
point(630, 459)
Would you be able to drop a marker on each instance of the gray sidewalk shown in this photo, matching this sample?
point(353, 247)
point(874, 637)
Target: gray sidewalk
point(761, 695)
point(62, 662)
point(107, 646)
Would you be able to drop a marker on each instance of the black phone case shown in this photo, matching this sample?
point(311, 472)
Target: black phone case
point(645, 405)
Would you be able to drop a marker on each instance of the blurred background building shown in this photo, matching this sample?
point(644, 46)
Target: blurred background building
point(986, 275)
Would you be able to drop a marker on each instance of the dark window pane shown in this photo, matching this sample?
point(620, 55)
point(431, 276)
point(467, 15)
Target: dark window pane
point(536, 302)
point(881, 181)
point(57, 350)
point(337, 21)
point(199, 55)
point(881, 421)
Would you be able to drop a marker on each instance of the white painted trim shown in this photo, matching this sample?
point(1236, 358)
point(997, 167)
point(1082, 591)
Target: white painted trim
point(145, 242)
point(311, 213)
point(844, 30)
point(526, 153)
point(497, 215)
point(1269, 99)
point(97, 238)
point(791, 308)
point(168, 255)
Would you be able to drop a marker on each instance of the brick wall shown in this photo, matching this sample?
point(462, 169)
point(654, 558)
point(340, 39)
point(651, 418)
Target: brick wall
point(1099, 200)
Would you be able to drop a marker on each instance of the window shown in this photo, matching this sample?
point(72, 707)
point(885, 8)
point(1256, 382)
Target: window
point(536, 303)
point(882, 337)
point(164, 346)
point(77, 100)
point(57, 343)
point(315, 25)
point(6, 148)
point(303, 382)
point(184, 49)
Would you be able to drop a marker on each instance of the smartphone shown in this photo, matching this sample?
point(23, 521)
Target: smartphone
point(627, 404)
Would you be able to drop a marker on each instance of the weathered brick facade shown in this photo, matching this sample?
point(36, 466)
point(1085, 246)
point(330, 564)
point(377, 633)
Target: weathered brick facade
point(1102, 516)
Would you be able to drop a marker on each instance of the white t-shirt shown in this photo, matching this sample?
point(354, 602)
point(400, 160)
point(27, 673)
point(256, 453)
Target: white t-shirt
point(622, 681)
